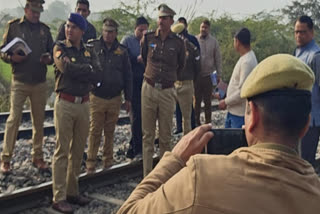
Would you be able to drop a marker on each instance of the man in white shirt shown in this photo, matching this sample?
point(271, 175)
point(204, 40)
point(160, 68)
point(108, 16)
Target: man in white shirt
point(247, 61)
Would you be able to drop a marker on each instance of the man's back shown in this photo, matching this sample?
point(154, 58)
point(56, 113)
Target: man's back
point(265, 178)
point(255, 180)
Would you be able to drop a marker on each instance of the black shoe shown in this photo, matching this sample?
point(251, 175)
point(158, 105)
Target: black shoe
point(130, 154)
point(177, 131)
point(156, 142)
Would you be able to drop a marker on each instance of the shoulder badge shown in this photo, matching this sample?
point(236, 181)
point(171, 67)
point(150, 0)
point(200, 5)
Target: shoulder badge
point(118, 51)
point(58, 54)
point(87, 54)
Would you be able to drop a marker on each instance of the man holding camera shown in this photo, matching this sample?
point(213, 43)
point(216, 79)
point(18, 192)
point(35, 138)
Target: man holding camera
point(268, 172)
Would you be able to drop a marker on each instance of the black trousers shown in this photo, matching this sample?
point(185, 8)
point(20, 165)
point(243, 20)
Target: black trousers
point(136, 126)
point(179, 118)
point(309, 144)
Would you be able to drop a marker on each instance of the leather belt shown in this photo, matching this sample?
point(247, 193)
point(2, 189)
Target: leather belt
point(159, 85)
point(74, 99)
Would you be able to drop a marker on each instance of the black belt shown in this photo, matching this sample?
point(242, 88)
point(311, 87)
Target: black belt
point(159, 85)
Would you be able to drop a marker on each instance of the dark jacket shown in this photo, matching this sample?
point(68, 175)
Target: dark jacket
point(81, 74)
point(116, 75)
point(192, 67)
point(163, 59)
point(39, 39)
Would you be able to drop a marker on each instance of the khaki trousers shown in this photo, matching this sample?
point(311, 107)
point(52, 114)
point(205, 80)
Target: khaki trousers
point(104, 116)
point(72, 126)
point(37, 95)
point(185, 92)
point(157, 104)
point(203, 91)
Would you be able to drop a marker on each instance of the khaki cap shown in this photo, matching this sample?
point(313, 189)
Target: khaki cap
point(177, 28)
point(165, 10)
point(36, 5)
point(110, 24)
point(281, 71)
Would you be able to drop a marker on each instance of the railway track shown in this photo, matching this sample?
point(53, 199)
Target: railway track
point(31, 197)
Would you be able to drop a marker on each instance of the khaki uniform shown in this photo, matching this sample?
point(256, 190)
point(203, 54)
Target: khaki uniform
point(211, 184)
point(74, 80)
point(29, 80)
point(106, 100)
point(163, 60)
point(184, 85)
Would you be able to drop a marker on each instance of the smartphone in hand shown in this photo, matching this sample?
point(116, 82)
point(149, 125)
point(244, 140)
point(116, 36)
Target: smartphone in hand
point(225, 141)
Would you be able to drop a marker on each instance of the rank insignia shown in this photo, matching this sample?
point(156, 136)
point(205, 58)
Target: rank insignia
point(73, 59)
point(58, 54)
point(87, 54)
point(118, 51)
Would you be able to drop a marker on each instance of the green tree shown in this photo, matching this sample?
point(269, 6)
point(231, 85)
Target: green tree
point(269, 36)
point(303, 7)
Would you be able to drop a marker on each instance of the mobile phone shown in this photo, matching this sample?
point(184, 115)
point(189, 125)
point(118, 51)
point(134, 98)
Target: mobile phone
point(225, 141)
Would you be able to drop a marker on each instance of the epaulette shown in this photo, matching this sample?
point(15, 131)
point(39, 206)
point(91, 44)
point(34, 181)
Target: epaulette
point(45, 25)
point(14, 20)
point(92, 41)
point(60, 43)
point(150, 32)
point(179, 36)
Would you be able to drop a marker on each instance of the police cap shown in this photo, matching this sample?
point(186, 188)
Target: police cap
point(165, 10)
point(281, 73)
point(78, 20)
point(35, 5)
point(110, 24)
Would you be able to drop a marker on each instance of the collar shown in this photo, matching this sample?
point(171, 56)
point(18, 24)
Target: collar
point(114, 46)
point(69, 45)
point(157, 33)
point(276, 146)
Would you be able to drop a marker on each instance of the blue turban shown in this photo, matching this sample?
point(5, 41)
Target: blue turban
point(78, 20)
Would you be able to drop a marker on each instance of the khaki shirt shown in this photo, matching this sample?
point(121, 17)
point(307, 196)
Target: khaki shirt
point(260, 179)
point(116, 75)
point(192, 67)
point(39, 39)
point(163, 59)
point(78, 76)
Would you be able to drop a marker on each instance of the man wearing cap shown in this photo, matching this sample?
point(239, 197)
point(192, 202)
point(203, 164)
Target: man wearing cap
point(163, 53)
point(269, 172)
point(210, 61)
point(132, 42)
point(106, 100)
point(83, 8)
point(233, 102)
point(184, 83)
point(195, 42)
point(29, 80)
point(309, 52)
point(77, 70)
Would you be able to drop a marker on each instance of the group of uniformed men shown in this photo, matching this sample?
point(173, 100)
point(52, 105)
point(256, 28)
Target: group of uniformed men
point(154, 70)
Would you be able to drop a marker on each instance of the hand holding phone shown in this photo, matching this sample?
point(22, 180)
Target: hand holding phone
point(225, 141)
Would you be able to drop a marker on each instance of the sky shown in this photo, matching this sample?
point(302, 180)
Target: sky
point(237, 8)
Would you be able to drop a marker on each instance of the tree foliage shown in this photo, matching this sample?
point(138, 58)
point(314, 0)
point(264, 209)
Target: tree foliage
point(303, 7)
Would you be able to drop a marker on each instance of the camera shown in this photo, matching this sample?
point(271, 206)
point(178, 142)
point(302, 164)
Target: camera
point(225, 141)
